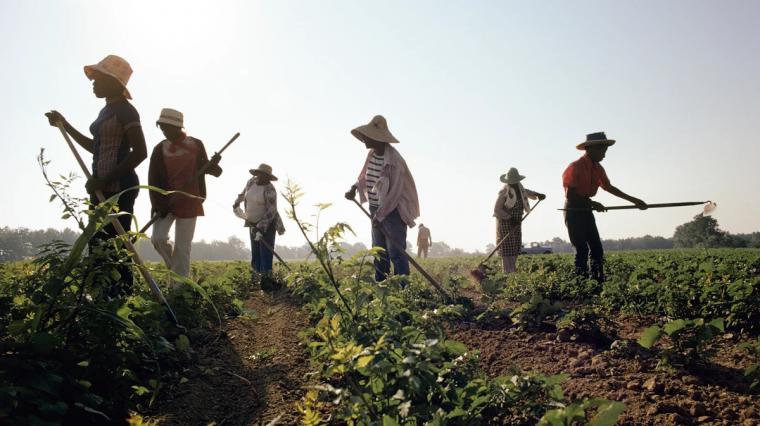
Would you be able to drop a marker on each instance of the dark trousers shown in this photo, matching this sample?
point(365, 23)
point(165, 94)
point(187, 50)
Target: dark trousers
point(395, 228)
point(261, 256)
point(581, 227)
point(126, 203)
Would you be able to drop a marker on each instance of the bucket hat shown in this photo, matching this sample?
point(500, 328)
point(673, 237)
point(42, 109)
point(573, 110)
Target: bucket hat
point(114, 66)
point(171, 117)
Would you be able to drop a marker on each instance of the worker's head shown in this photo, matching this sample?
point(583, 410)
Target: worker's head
point(422, 226)
point(596, 152)
point(172, 133)
point(106, 86)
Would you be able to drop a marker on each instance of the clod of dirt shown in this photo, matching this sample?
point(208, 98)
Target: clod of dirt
point(652, 385)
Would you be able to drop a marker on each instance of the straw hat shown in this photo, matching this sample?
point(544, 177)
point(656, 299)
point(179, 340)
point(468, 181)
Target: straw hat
point(512, 176)
point(171, 117)
point(376, 130)
point(264, 169)
point(116, 67)
point(594, 139)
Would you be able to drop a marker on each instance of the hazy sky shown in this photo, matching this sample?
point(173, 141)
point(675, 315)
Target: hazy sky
point(469, 88)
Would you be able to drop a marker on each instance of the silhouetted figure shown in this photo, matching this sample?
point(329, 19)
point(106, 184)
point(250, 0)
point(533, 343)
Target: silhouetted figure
point(117, 147)
point(386, 182)
point(424, 241)
point(581, 180)
point(173, 165)
point(510, 205)
point(259, 198)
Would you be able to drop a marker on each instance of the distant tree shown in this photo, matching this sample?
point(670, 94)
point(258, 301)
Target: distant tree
point(703, 231)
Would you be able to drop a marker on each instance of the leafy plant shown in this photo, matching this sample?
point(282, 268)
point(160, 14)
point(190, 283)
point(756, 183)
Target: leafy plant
point(752, 372)
point(690, 337)
point(588, 324)
point(531, 314)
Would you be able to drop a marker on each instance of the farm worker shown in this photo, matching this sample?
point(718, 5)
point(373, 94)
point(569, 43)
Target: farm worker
point(387, 184)
point(173, 165)
point(117, 147)
point(259, 200)
point(581, 180)
point(511, 202)
point(424, 241)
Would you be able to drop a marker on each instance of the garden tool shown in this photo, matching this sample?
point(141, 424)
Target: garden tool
point(479, 273)
point(241, 214)
point(709, 206)
point(120, 229)
point(414, 263)
point(189, 182)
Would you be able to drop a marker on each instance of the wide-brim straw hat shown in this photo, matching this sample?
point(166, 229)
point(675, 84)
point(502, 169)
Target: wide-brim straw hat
point(171, 117)
point(264, 169)
point(594, 139)
point(375, 130)
point(115, 66)
point(511, 177)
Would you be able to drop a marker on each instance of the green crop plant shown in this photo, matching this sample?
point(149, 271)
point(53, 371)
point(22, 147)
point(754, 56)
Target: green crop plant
point(689, 337)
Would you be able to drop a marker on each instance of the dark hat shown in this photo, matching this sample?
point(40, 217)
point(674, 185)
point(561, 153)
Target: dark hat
point(593, 139)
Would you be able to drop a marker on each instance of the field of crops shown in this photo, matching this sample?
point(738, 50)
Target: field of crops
point(670, 338)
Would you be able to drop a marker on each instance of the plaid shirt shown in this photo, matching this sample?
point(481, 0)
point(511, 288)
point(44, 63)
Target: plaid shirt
point(111, 146)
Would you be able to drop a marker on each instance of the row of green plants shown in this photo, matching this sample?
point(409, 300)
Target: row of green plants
point(383, 356)
point(74, 351)
point(719, 283)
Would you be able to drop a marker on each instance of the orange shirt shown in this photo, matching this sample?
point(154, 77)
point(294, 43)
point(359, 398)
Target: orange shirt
point(585, 177)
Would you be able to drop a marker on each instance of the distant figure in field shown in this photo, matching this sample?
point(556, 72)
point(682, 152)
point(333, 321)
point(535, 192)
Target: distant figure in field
point(117, 147)
point(424, 241)
point(581, 180)
point(386, 182)
point(511, 202)
point(259, 198)
point(173, 166)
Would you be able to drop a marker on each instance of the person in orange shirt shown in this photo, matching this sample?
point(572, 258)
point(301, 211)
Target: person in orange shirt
point(581, 180)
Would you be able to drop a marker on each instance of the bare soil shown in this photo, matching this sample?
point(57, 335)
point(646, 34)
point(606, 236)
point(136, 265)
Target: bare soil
point(715, 393)
point(253, 374)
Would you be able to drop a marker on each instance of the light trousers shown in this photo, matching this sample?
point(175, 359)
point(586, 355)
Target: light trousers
point(176, 256)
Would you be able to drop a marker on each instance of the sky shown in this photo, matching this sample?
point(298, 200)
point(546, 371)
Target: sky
point(469, 88)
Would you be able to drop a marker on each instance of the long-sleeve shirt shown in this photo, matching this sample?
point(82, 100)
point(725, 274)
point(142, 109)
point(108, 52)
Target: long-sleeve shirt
point(172, 167)
point(260, 206)
point(395, 188)
point(507, 200)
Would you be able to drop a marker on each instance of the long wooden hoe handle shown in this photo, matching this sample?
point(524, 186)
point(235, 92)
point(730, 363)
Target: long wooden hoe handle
point(651, 206)
point(195, 177)
point(417, 266)
point(270, 248)
point(504, 238)
point(120, 229)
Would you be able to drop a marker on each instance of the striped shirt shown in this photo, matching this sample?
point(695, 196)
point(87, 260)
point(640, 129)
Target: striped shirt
point(374, 170)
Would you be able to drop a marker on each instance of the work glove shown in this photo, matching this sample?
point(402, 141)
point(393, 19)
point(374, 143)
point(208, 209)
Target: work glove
point(258, 236)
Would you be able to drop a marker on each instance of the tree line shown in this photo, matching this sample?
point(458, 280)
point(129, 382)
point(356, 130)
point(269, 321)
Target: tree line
point(702, 231)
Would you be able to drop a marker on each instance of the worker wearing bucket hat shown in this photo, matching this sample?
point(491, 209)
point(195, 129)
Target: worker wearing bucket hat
point(581, 181)
point(117, 146)
point(259, 198)
point(174, 164)
point(511, 202)
point(387, 184)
